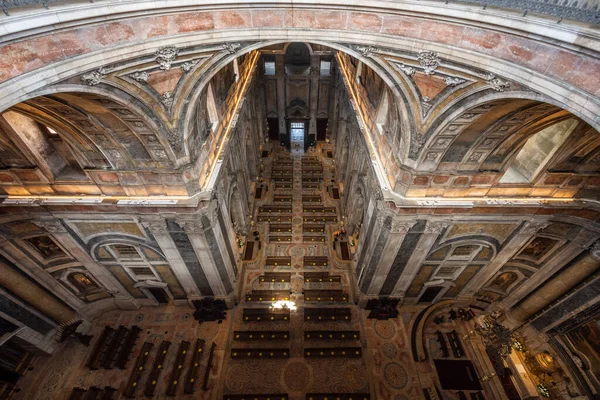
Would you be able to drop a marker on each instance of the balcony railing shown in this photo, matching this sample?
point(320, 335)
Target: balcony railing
point(578, 10)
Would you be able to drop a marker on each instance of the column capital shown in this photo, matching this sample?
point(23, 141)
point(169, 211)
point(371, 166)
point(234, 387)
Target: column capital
point(435, 226)
point(190, 226)
point(531, 227)
point(155, 225)
point(402, 226)
point(50, 225)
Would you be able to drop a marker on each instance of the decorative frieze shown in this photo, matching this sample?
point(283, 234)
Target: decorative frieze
point(402, 226)
point(190, 226)
point(187, 66)
point(167, 100)
point(231, 48)
point(367, 51)
point(453, 81)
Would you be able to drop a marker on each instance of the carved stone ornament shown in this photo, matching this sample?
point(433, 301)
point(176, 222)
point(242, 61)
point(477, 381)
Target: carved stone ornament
point(454, 81)
point(595, 250)
point(190, 226)
point(532, 227)
point(425, 106)
point(165, 57)
point(95, 77)
point(140, 76)
point(402, 226)
point(187, 66)
point(155, 226)
point(496, 83)
point(167, 99)
point(435, 226)
point(408, 71)
point(50, 225)
point(231, 48)
point(367, 51)
point(429, 60)
point(417, 141)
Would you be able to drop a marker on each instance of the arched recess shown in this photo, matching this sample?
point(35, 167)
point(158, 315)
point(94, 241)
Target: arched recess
point(485, 134)
point(87, 132)
point(139, 266)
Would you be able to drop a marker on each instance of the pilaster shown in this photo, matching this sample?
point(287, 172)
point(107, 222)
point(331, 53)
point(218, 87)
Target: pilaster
point(158, 227)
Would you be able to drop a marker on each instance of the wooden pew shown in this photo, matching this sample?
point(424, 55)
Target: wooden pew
point(319, 209)
point(321, 277)
point(279, 238)
point(320, 219)
point(265, 315)
point(283, 179)
point(313, 179)
point(112, 349)
point(260, 353)
point(338, 396)
point(274, 218)
point(174, 380)
point(275, 277)
point(243, 336)
point(282, 199)
point(274, 261)
point(100, 348)
point(192, 374)
point(442, 342)
point(327, 314)
point(255, 397)
point(93, 393)
point(311, 239)
point(127, 347)
point(138, 369)
point(313, 228)
point(285, 173)
point(332, 335)
point(322, 352)
point(268, 295)
point(77, 394)
point(157, 368)
point(209, 366)
point(285, 185)
point(315, 261)
point(325, 295)
point(311, 199)
point(311, 185)
point(275, 209)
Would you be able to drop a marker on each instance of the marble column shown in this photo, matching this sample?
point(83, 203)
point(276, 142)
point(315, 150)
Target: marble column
point(430, 234)
point(280, 73)
point(315, 62)
point(35, 272)
point(158, 228)
point(568, 252)
point(122, 298)
point(195, 233)
point(396, 235)
point(508, 251)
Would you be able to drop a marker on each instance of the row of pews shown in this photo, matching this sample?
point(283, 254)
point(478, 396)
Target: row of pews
point(93, 393)
point(310, 294)
point(453, 340)
point(113, 348)
point(176, 376)
point(309, 396)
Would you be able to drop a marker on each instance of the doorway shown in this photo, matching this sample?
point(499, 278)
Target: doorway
point(297, 132)
point(159, 294)
point(429, 294)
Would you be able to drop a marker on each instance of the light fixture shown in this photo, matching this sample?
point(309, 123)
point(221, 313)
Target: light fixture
point(290, 305)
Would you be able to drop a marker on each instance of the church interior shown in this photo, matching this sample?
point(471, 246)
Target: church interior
point(307, 200)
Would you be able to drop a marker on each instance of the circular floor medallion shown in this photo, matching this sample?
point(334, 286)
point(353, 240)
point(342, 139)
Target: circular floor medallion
point(385, 329)
point(296, 376)
point(389, 350)
point(395, 375)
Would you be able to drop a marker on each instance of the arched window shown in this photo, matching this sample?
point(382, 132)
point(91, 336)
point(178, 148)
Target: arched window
point(139, 261)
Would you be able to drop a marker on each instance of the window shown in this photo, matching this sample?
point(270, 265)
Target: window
point(450, 261)
point(138, 261)
point(325, 69)
point(269, 65)
point(537, 152)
